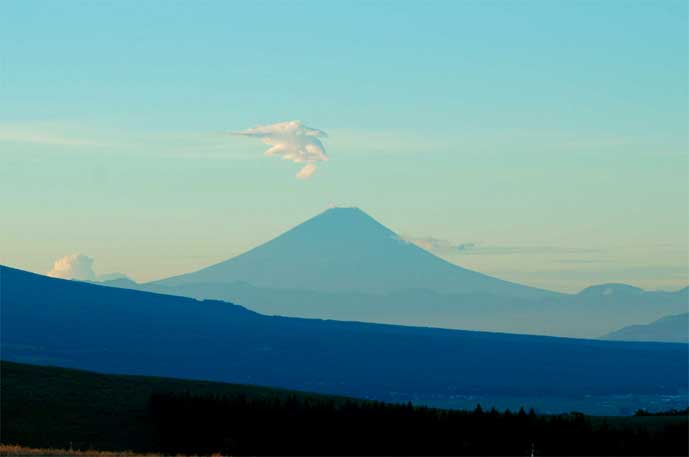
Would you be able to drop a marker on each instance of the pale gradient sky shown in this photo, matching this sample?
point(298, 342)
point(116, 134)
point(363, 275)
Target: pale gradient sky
point(552, 135)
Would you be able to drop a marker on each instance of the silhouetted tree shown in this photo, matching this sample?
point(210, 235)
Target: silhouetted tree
point(290, 425)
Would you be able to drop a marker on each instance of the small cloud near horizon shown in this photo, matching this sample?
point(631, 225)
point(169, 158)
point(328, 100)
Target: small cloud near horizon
point(79, 267)
point(291, 140)
point(74, 266)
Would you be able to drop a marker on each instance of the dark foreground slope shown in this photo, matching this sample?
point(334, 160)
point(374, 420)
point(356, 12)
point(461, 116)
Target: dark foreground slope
point(52, 407)
point(72, 324)
point(56, 407)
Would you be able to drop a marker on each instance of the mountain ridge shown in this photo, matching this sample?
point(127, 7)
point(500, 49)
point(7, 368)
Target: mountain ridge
point(670, 329)
point(113, 330)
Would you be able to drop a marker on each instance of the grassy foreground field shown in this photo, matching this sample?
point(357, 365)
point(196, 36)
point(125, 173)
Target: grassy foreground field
point(10, 450)
point(50, 407)
point(47, 409)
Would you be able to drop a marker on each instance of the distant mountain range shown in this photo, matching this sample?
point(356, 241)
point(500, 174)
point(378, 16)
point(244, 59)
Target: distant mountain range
point(671, 329)
point(342, 264)
point(74, 324)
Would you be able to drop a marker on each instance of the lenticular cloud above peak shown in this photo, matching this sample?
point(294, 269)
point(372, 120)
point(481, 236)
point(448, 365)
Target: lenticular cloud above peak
point(293, 141)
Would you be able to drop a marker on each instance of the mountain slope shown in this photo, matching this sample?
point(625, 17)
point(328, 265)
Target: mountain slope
point(344, 249)
point(671, 329)
point(79, 325)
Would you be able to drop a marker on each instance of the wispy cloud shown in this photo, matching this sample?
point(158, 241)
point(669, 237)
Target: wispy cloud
point(579, 261)
point(446, 247)
point(292, 141)
point(607, 274)
point(490, 141)
point(43, 133)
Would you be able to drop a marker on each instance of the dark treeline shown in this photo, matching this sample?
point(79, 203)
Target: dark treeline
point(670, 412)
point(237, 425)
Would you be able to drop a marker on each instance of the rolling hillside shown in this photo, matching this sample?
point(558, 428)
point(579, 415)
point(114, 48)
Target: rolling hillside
point(63, 408)
point(53, 407)
point(72, 324)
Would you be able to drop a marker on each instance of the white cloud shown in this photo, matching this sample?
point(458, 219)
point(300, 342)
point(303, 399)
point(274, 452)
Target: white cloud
point(306, 171)
point(80, 267)
point(75, 266)
point(293, 141)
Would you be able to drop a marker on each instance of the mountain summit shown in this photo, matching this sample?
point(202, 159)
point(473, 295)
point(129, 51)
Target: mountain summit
point(345, 249)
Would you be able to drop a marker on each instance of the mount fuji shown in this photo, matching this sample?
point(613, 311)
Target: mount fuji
point(343, 264)
point(344, 250)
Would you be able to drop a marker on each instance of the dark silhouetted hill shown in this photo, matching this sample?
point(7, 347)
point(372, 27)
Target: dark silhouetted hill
point(73, 324)
point(58, 408)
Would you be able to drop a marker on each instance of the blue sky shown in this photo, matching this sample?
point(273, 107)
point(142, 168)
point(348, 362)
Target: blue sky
point(551, 136)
